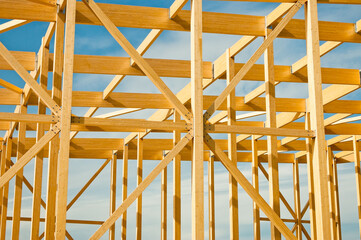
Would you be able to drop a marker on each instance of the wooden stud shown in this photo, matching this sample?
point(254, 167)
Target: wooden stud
point(138, 228)
point(358, 177)
point(272, 140)
point(337, 202)
point(163, 234)
point(5, 190)
point(255, 184)
point(197, 110)
point(310, 177)
point(38, 167)
point(176, 184)
point(63, 165)
point(15, 229)
point(317, 122)
point(113, 192)
point(331, 190)
point(124, 191)
point(232, 153)
point(54, 144)
point(211, 199)
point(297, 201)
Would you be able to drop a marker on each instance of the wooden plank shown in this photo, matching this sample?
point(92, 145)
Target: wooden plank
point(82, 190)
point(356, 152)
point(317, 122)
point(9, 25)
point(324, 49)
point(337, 202)
point(310, 177)
point(15, 229)
point(143, 47)
point(271, 122)
point(63, 164)
point(177, 214)
point(239, 76)
point(297, 200)
point(158, 18)
point(28, 155)
point(220, 128)
point(138, 228)
point(278, 13)
point(5, 190)
point(242, 180)
point(232, 152)
point(197, 110)
point(31, 118)
point(320, 1)
point(176, 6)
point(45, 97)
point(283, 199)
point(211, 198)
point(54, 144)
point(40, 131)
point(113, 191)
point(255, 184)
point(124, 191)
point(163, 229)
point(10, 86)
point(144, 66)
point(331, 189)
point(139, 189)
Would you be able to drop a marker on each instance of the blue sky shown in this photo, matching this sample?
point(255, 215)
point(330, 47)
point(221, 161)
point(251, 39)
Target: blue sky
point(95, 40)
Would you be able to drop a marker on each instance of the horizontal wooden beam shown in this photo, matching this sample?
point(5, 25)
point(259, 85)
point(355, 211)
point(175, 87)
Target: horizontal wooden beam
point(284, 74)
point(158, 18)
point(292, 1)
point(129, 125)
point(33, 118)
point(219, 128)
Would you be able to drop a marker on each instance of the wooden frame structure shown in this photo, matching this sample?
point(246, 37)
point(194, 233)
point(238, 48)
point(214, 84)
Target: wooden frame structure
point(192, 117)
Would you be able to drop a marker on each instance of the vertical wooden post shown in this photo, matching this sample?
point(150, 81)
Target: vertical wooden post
point(311, 189)
point(232, 152)
point(272, 140)
point(197, 108)
point(54, 144)
point(317, 122)
point(211, 203)
point(296, 188)
point(356, 151)
point(176, 185)
point(38, 167)
point(255, 183)
point(163, 235)
point(337, 202)
point(2, 171)
point(139, 180)
point(4, 207)
point(113, 192)
point(125, 191)
point(63, 167)
point(331, 190)
point(19, 179)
